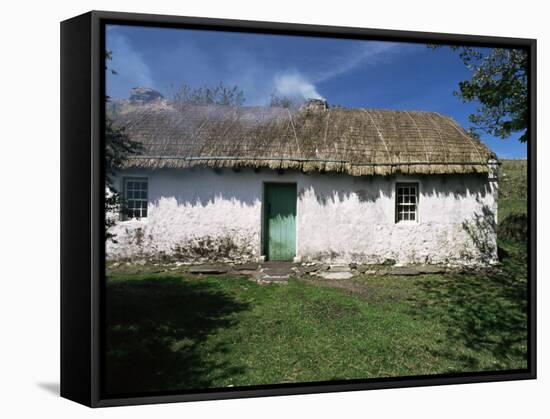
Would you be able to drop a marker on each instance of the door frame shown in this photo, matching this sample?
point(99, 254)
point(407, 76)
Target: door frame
point(264, 236)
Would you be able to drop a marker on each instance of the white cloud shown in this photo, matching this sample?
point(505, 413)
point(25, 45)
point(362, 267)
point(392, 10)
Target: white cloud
point(295, 84)
point(304, 84)
point(366, 53)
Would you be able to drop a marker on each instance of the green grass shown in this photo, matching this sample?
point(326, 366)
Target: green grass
point(169, 331)
point(512, 181)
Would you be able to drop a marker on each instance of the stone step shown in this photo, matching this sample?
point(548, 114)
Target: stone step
point(273, 275)
point(339, 268)
point(272, 278)
point(275, 272)
point(208, 269)
point(266, 278)
point(335, 275)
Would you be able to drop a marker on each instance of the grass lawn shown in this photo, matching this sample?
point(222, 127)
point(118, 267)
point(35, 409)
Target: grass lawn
point(170, 331)
point(512, 181)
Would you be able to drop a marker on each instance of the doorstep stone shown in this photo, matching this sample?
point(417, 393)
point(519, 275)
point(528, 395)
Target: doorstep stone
point(208, 269)
point(335, 275)
point(339, 268)
point(275, 271)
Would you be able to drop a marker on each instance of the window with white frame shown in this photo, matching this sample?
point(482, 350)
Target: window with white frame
point(406, 205)
point(135, 197)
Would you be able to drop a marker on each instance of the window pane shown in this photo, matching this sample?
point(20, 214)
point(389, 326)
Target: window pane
point(135, 195)
point(406, 202)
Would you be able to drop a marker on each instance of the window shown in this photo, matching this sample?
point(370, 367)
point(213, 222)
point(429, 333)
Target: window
point(135, 197)
point(406, 206)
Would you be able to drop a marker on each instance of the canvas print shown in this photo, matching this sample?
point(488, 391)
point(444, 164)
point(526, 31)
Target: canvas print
point(284, 209)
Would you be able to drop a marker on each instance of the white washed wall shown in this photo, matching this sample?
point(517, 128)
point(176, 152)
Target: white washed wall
point(201, 215)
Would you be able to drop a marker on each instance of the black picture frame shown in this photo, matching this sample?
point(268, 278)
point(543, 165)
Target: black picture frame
point(82, 205)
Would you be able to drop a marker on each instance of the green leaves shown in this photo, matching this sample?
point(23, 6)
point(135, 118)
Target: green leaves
point(499, 83)
point(109, 57)
point(118, 147)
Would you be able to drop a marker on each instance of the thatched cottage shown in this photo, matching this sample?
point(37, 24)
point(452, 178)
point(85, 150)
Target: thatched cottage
point(315, 184)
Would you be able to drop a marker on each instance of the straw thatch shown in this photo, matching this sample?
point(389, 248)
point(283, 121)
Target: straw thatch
point(353, 141)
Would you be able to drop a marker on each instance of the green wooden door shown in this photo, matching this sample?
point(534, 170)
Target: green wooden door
point(280, 221)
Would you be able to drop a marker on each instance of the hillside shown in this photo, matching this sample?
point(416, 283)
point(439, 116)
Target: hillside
point(512, 182)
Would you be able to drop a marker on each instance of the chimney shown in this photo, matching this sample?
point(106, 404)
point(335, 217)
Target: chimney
point(315, 105)
point(141, 95)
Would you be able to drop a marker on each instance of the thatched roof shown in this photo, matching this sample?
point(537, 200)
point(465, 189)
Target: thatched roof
point(354, 141)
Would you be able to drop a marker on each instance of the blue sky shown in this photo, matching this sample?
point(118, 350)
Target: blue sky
point(350, 73)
